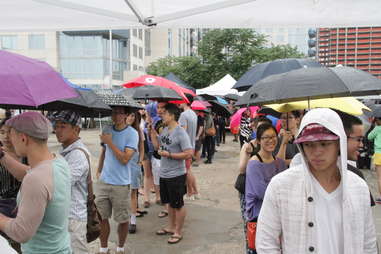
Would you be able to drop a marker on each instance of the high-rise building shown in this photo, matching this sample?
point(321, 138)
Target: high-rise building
point(358, 47)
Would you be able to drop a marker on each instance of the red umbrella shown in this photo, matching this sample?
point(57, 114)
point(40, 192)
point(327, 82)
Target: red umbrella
point(198, 105)
point(206, 103)
point(159, 81)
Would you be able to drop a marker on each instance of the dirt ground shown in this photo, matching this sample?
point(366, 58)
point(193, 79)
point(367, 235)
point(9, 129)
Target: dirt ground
point(213, 223)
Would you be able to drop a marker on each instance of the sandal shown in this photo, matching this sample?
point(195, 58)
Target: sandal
point(175, 239)
point(162, 214)
point(164, 231)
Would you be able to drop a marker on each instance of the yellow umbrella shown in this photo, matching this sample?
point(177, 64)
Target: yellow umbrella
point(348, 105)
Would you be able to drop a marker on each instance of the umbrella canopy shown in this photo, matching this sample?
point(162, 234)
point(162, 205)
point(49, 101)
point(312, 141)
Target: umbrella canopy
point(118, 100)
point(263, 70)
point(233, 97)
point(159, 81)
point(376, 111)
point(38, 15)
point(172, 77)
point(29, 82)
point(311, 83)
point(198, 105)
point(236, 117)
point(221, 100)
point(348, 105)
point(155, 93)
point(220, 109)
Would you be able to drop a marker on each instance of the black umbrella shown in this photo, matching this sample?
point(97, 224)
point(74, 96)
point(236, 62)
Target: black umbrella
point(87, 104)
point(311, 83)
point(219, 108)
point(207, 96)
point(269, 111)
point(118, 100)
point(172, 77)
point(231, 96)
point(263, 70)
point(155, 92)
point(376, 111)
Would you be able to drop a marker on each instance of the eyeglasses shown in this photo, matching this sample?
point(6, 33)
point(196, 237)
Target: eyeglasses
point(358, 139)
point(268, 138)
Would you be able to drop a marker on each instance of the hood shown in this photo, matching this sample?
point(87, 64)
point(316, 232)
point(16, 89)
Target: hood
point(330, 120)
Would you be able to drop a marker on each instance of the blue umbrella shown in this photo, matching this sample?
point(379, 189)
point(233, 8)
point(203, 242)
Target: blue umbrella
point(221, 100)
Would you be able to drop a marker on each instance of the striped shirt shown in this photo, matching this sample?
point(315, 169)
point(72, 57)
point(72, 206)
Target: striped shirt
point(79, 167)
point(9, 186)
point(244, 127)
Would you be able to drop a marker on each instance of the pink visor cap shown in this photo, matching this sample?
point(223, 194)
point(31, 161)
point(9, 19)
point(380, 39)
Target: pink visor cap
point(315, 132)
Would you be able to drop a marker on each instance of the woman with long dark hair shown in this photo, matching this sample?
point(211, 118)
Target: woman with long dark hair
point(262, 166)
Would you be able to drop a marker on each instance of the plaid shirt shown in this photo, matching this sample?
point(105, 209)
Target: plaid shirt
point(288, 210)
point(79, 171)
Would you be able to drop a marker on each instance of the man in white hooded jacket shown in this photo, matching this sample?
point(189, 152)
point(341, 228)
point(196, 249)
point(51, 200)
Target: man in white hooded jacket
point(318, 206)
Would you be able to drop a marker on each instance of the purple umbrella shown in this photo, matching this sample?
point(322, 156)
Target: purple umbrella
point(29, 82)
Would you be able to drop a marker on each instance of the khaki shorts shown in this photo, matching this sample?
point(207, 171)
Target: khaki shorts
point(113, 199)
point(77, 230)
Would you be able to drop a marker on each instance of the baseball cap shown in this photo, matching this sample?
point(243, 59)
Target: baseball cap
point(67, 116)
point(33, 124)
point(315, 132)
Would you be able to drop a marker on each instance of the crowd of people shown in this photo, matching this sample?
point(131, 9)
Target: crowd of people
point(44, 195)
point(301, 190)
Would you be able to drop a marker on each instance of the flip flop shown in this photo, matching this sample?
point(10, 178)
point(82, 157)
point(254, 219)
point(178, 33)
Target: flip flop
point(177, 239)
point(163, 231)
point(162, 214)
point(142, 212)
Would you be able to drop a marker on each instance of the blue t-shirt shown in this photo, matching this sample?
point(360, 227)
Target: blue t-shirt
point(114, 172)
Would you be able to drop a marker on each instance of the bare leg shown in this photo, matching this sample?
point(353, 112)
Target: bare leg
point(171, 219)
point(180, 214)
point(122, 234)
point(148, 179)
point(134, 201)
point(105, 233)
point(191, 184)
point(157, 192)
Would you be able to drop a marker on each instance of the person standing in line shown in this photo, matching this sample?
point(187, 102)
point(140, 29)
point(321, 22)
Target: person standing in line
point(318, 206)
point(199, 137)
point(188, 120)
point(133, 120)
point(244, 127)
point(67, 129)
point(120, 143)
point(209, 139)
point(221, 129)
point(375, 136)
point(41, 224)
point(174, 147)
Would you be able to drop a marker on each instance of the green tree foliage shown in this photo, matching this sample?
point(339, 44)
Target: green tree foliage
point(222, 51)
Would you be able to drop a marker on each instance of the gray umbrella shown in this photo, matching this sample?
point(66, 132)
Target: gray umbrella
point(311, 83)
point(155, 93)
point(263, 70)
point(233, 97)
point(376, 111)
point(118, 100)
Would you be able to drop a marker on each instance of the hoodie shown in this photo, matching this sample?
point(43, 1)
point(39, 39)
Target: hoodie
point(288, 209)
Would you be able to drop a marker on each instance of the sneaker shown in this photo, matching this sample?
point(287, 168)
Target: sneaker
point(378, 201)
point(132, 228)
point(197, 196)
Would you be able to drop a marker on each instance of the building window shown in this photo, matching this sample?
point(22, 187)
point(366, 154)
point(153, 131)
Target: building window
point(141, 68)
point(135, 32)
point(169, 42)
point(141, 34)
point(135, 67)
point(8, 42)
point(140, 52)
point(280, 38)
point(147, 42)
point(135, 50)
point(36, 41)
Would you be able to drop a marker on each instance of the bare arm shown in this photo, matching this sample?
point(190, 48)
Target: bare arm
point(243, 158)
point(186, 154)
point(141, 145)
point(200, 131)
point(101, 161)
point(122, 156)
point(154, 138)
point(16, 168)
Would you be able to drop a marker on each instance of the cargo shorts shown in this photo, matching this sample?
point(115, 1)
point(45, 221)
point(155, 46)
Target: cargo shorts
point(113, 199)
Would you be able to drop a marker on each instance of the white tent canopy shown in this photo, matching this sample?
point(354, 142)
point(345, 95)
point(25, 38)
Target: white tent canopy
point(42, 15)
point(221, 87)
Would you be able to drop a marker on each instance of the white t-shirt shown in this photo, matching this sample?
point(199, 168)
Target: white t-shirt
point(5, 247)
point(329, 219)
